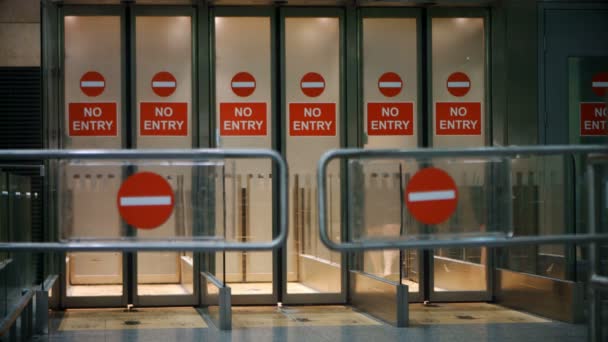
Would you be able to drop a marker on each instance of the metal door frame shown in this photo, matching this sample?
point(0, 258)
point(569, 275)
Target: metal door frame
point(405, 13)
point(269, 12)
point(341, 14)
point(484, 13)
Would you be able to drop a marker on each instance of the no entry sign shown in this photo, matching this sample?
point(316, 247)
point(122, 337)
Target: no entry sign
point(243, 84)
point(390, 84)
point(312, 84)
point(92, 119)
point(92, 83)
point(458, 118)
point(312, 119)
point(593, 116)
point(385, 118)
point(458, 84)
point(145, 200)
point(599, 84)
point(243, 119)
point(431, 196)
point(164, 84)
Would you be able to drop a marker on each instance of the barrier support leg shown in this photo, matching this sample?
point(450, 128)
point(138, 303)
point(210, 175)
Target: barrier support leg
point(225, 301)
point(403, 308)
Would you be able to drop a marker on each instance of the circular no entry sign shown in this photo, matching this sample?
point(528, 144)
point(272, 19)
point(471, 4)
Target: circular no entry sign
point(145, 200)
point(599, 84)
point(92, 83)
point(312, 84)
point(431, 196)
point(390, 84)
point(458, 84)
point(243, 84)
point(164, 84)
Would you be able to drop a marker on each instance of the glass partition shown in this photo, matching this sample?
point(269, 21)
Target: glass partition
point(145, 200)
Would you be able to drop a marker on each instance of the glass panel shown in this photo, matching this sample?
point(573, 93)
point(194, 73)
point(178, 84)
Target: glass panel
point(390, 95)
point(458, 95)
point(312, 96)
point(93, 119)
point(377, 190)
point(243, 93)
point(163, 63)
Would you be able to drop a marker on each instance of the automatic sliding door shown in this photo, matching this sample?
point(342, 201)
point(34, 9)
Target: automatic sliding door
point(312, 104)
point(93, 118)
point(458, 100)
point(391, 85)
point(162, 69)
point(244, 106)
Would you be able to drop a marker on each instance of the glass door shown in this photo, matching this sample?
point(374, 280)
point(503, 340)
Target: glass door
point(458, 83)
point(93, 117)
point(390, 92)
point(312, 53)
point(245, 87)
point(245, 95)
point(162, 70)
point(425, 86)
point(128, 83)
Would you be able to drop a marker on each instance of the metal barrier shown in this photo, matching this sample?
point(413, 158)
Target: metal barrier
point(488, 241)
point(202, 245)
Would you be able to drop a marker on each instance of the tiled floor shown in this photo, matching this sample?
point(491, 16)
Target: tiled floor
point(445, 322)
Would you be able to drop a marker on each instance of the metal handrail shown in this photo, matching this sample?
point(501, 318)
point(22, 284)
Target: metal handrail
point(200, 245)
point(490, 241)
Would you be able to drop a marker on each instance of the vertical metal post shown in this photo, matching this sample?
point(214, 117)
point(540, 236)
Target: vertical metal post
point(594, 295)
point(403, 306)
point(42, 311)
point(225, 302)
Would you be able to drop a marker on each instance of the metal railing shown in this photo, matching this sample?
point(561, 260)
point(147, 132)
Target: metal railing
point(479, 241)
point(210, 244)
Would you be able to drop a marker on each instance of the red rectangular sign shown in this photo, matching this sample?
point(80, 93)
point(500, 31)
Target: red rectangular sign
point(92, 119)
point(312, 119)
point(458, 118)
point(594, 117)
point(163, 119)
point(243, 119)
point(385, 118)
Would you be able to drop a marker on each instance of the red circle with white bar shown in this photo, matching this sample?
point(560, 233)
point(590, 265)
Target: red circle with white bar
point(458, 84)
point(92, 83)
point(599, 84)
point(243, 84)
point(312, 84)
point(431, 196)
point(145, 200)
point(163, 84)
point(390, 84)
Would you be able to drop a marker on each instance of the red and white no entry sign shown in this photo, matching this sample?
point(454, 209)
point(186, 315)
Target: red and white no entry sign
point(164, 84)
point(312, 84)
point(459, 84)
point(145, 200)
point(243, 84)
point(92, 83)
point(431, 196)
point(599, 84)
point(390, 84)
